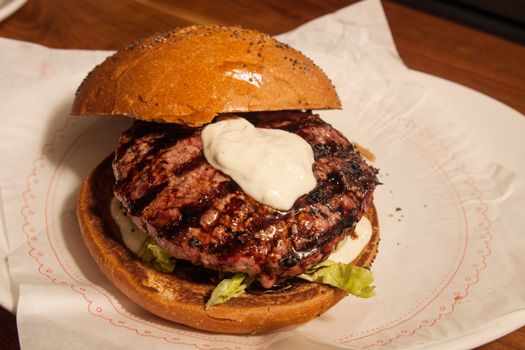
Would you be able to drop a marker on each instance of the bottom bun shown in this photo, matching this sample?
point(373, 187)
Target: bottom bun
point(182, 295)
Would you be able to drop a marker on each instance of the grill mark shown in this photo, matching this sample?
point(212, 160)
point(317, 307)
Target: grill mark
point(168, 139)
point(260, 223)
point(193, 163)
point(234, 241)
point(338, 182)
point(318, 243)
point(136, 132)
point(192, 213)
point(159, 145)
point(349, 220)
point(140, 204)
point(324, 192)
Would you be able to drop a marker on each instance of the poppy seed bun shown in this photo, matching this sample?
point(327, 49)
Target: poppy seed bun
point(182, 299)
point(190, 75)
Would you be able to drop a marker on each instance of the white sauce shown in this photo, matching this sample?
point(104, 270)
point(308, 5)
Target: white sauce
point(272, 166)
point(349, 249)
point(131, 234)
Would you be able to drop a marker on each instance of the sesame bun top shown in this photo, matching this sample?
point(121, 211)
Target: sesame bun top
point(190, 75)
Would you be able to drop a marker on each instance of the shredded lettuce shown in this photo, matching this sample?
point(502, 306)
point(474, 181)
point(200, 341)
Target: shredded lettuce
point(229, 288)
point(353, 279)
point(161, 260)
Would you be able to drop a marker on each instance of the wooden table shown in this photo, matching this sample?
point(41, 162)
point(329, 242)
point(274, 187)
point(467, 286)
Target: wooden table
point(426, 43)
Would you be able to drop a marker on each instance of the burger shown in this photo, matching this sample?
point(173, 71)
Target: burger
point(223, 204)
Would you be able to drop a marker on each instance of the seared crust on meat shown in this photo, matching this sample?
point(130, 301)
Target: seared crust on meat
point(199, 214)
point(180, 297)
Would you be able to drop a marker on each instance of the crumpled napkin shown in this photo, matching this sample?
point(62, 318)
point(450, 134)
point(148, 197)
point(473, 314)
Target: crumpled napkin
point(448, 270)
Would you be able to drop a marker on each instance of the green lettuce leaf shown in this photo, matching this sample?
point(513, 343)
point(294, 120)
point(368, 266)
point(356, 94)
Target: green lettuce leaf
point(353, 279)
point(161, 260)
point(229, 288)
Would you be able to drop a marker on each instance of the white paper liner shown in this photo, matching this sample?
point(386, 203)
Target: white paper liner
point(450, 254)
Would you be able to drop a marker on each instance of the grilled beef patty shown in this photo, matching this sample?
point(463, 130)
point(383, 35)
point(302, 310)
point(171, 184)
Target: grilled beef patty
point(199, 214)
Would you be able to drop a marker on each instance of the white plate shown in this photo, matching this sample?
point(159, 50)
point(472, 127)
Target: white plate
point(8, 7)
point(481, 117)
point(475, 113)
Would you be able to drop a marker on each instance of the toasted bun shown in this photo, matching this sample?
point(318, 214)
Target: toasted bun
point(181, 299)
point(189, 75)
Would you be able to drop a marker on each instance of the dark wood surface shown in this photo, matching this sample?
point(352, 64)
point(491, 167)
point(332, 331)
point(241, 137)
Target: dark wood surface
point(430, 44)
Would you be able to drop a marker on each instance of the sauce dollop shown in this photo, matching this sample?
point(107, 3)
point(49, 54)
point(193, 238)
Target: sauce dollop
point(272, 166)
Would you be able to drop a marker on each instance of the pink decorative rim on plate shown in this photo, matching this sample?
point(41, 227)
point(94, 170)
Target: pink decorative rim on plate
point(98, 299)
